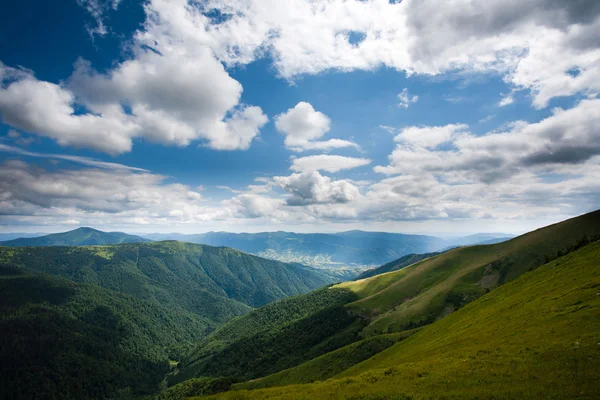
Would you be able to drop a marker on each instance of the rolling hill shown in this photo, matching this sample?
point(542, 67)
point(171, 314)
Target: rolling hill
point(535, 337)
point(77, 237)
point(397, 301)
point(213, 282)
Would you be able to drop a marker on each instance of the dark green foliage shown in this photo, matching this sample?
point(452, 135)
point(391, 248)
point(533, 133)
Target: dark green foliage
point(276, 336)
point(396, 265)
point(62, 340)
point(195, 387)
point(329, 364)
point(216, 283)
point(277, 349)
point(77, 237)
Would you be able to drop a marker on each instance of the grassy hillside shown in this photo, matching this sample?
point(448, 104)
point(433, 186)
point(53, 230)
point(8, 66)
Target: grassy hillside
point(395, 265)
point(77, 237)
point(397, 301)
point(216, 283)
point(535, 337)
point(59, 339)
point(330, 364)
point(426, 291)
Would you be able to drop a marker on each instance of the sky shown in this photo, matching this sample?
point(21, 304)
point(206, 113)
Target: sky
point(406, 116)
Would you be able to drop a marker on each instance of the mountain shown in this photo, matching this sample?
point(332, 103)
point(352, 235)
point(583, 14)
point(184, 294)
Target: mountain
point(395, 265)
point(213, 282)
point(353, 247)
point(343, 255)
point(103, 321)
point(77, 237)
point(16, 235)
point(60, 339)
point(535, 337)
point(278, 337)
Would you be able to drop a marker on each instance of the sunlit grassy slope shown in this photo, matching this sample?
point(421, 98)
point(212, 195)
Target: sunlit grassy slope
point(434, 287)
point(398, 301)
point(535, 337)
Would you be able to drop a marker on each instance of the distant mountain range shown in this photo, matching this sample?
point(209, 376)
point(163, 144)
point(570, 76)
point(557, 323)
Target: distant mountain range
point(331, 249)
point(340, 255)
point(78, 237)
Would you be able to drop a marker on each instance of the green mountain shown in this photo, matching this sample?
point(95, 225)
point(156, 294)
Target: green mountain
point(66, 340)
point(77, 237)
point(535, 337)
point(275, 338)
point(213, 282)
point(104, 321)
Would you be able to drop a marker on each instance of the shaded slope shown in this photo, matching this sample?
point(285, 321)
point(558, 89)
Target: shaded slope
point(277, 336)
point(535, 337)
point(59, 339)
point(77, 237)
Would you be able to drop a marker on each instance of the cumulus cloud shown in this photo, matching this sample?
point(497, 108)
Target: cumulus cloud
point(325, 162)
point(116, 194)
point(172, 91)
point(314, 188)
point(303, 126)
point(566, 138)
point(532, 44)
point(405, 100)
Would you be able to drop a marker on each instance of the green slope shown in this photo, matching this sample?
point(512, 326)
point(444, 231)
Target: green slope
point(63, 340)
point(426, 291)
point(277, 336)
point(397, 301)
point(77, 237)
point(535, 337)
point(216, 283)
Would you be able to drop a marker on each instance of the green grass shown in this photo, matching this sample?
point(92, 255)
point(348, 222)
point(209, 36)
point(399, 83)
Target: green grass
point(330, 364)
point(428, 290)
point(412, 297)
point(536, 337)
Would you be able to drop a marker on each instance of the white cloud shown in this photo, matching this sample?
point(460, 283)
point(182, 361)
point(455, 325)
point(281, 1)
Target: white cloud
point(76, 159)
point(98, 10)
point(429, 136)
point(119, 195)
point(174, 90)
point(313, 188)
point(325, 162)
point(303, 126)
point(506, 100)
point(405, 100)
point(557, 143)
point(532, 44)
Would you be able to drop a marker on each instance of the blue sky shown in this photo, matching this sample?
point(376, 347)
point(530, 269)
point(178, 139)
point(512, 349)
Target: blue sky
point(249, 115)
